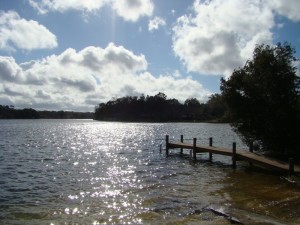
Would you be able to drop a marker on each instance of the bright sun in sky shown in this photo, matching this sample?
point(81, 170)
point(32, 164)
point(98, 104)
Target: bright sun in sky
point(75, 54)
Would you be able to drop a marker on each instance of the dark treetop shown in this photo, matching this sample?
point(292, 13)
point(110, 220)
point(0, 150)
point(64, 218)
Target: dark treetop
point(263, 99)
point(160, 109)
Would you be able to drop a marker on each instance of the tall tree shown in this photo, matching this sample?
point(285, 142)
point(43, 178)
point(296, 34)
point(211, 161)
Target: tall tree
point(263, 99)
point(216, 108)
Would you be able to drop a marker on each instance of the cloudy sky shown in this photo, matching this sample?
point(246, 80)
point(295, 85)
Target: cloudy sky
point(75, 54)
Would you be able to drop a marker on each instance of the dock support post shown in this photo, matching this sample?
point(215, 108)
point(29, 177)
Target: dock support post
point(251, 150)
point(167, 145)
point(291, 166)
point(194, 147)
point(160, 148)
point(181, 139)
point(251, 147)
point(233, 155)
point(210, 145)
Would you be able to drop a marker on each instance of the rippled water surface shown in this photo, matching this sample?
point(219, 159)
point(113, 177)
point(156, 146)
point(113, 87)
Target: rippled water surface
point(88, 172)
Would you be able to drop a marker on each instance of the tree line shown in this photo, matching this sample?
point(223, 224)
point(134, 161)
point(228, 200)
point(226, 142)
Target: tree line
point(159, 108)
point(10, 112)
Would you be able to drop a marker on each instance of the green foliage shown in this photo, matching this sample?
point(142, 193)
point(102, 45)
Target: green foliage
point(9, 112)
point(217, 108)
point(263, 99)
point(160, 109)
point(65, 115)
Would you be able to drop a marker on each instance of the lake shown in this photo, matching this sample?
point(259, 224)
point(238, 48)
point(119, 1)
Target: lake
point(90, 172)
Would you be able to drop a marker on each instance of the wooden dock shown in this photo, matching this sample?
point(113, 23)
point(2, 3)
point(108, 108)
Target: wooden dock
point(236, 155)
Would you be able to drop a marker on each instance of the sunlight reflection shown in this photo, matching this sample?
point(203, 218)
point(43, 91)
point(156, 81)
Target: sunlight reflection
point(112, 173)
point(106, 166)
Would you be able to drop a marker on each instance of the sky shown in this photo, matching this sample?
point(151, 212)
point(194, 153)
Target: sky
point(76, 54)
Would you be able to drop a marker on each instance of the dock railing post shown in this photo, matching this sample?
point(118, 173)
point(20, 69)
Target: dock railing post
point(167, 145)
point(194, 147)
point(291, 166)
point(251, 150)
point(233, 155)
point(251, 147)
point(210, 145)
point(181, 139)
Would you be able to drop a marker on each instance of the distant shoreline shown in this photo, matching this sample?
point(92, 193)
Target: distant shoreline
point(9, 112)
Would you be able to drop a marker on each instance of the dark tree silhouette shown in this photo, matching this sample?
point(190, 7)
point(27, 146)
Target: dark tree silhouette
point(9, 112)
point(157, 108)
point(263, 99)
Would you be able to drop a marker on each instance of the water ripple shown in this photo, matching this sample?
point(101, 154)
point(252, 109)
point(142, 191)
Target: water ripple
point(87, 172)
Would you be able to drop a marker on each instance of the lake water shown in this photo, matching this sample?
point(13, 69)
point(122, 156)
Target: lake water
point(89, 172)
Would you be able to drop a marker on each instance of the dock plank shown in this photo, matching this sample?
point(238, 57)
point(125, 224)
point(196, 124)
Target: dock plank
point(240, 154)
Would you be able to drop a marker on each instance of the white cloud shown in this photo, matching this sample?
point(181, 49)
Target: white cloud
point(132, 10)
point(79, 80)
point(287, 8)
point(10, 70)
point(44, 6)
point(129, 10)
point(179, 88)
point(12, 92)
point(16, 93)
point(155, 23)
point(221, 35)
point(16, 32)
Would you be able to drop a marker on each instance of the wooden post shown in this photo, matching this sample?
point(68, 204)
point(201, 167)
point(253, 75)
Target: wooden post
point(291, 166)
point(160, 148)
point(251, 150)
point(181, 139)
point(210, 145)
point(194, 147)
point(251, 147)
point(167, 145)
point(210, 141)
point(233, 155)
